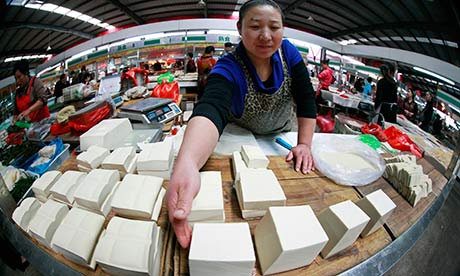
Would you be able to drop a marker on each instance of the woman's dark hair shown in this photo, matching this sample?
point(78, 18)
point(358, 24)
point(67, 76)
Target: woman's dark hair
point(254, 3)
point(209, 49)
point(325, 61)
point(387, 71)
point(21, 66)
point(190, 55)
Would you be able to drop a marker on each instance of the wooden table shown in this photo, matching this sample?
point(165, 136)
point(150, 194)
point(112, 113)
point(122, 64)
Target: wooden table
point(313, 189)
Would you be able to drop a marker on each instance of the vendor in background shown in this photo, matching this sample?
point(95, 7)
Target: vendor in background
point(30, 100)
point(427, 113)
point(205, 64)
point(325, 78)
point(367, 92)
point(257, 87)
point(60, 85)
point(409, 106)
point(157, 66)
point(228, 48)
point(84, 77)
point(191, 66)
point(386, 96)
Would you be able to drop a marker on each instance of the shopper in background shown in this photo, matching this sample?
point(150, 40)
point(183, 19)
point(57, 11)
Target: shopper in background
point(409, 106)
point(73, 78)
point(60, 85)
point(228, 48)
point(256, 87)
point(191, 66)
point(157, 66)
point(30, 101)
point(325, 78)
point(205, 64)
point(359, 85)
point(386, 98)
point(367, 92)
point(427, 113)
point(84, 76)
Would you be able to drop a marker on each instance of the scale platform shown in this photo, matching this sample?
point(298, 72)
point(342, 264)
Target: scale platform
point(151, 111)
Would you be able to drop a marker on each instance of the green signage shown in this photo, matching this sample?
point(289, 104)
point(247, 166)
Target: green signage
point(151, 42)
point(194, 38)
point(98, 54)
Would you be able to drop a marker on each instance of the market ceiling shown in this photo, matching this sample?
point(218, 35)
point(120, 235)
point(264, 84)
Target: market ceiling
point(428, 27)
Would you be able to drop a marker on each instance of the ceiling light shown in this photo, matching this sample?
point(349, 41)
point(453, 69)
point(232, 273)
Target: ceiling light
point(433, 75)
point(310, 18)
point(48, 7)
point(201, 3)
point(49, 48)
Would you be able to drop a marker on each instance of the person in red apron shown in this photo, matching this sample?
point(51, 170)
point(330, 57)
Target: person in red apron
point(31, 99)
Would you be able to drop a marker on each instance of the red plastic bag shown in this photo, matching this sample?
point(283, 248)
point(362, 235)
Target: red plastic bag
point(375, 130)
point(167, 90)
point(325, 123)
point(399, 140)
point(84, 122)
point(58, 129)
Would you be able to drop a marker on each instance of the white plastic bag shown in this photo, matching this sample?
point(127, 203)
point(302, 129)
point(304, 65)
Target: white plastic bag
point(347, 161)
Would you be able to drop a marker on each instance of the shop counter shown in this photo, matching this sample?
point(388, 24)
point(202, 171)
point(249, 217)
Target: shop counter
point(366, 256)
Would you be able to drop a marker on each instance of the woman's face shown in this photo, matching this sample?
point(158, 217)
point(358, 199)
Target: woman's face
point(21, 79)
point(261, 31)
point(410, 94)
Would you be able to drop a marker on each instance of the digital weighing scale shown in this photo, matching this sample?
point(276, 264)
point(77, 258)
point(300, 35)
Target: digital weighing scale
point(151, 111)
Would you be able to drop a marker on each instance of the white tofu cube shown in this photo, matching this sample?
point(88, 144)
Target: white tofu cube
point(41, 187)
point(77, 235)
point(94, 189)
point(165, 174)
point(25, 212)
point(288, 238)
point(208, 205)
point(120, 159)
point(156, 156)
point(343, 222)
point(108, 133)
point(46, 221)
point(378, 206)
point(254, 157)
point(65, 187)
point(223, 249)
point(260, 189)
point(93, 157)
point(158, 204)
point(129, 247)
point(238, 164)
point(136, 195)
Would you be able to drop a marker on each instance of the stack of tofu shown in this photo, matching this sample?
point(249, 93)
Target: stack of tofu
point(94, 192)
point(157, 159)
point(41, 187)
point(64, 188)
point(408, 178)
point(92, 158)
point(108, 133)
point(208, 205)
point(130, 247)
point(122, 159)
point(25, 212)
point(139, 196)
point(256, 187)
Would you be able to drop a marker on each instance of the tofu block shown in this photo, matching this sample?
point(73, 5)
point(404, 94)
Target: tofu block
point(65, 187)
point(106, 206)
point(136, 196)
point(378, 206)
point(120, 159)
point(254, 157)
point(260, 189)
point(238, 164)
point(158, 204)
point(128, 247)
point(288, 238)
point(41, 187)
point(246, 214)
point(94, 189)
point(93, 157)
point(77, 235)
point(25, 212)
point(46, 221)
point(343, 222)
point(223, 249)
point(166, 174)
point(209, 202)
point(156, 156)
point(108, 133)
point(84, 169)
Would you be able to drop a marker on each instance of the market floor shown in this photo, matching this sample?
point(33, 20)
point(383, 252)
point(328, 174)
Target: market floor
point(435, 253)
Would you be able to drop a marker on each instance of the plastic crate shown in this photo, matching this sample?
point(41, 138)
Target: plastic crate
point(60, 158)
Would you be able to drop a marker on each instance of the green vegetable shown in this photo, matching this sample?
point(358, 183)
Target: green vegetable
point(21, 187)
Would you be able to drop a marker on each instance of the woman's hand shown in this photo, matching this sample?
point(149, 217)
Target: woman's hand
point(23, 114)
point(183, 187)
point(302, 158)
